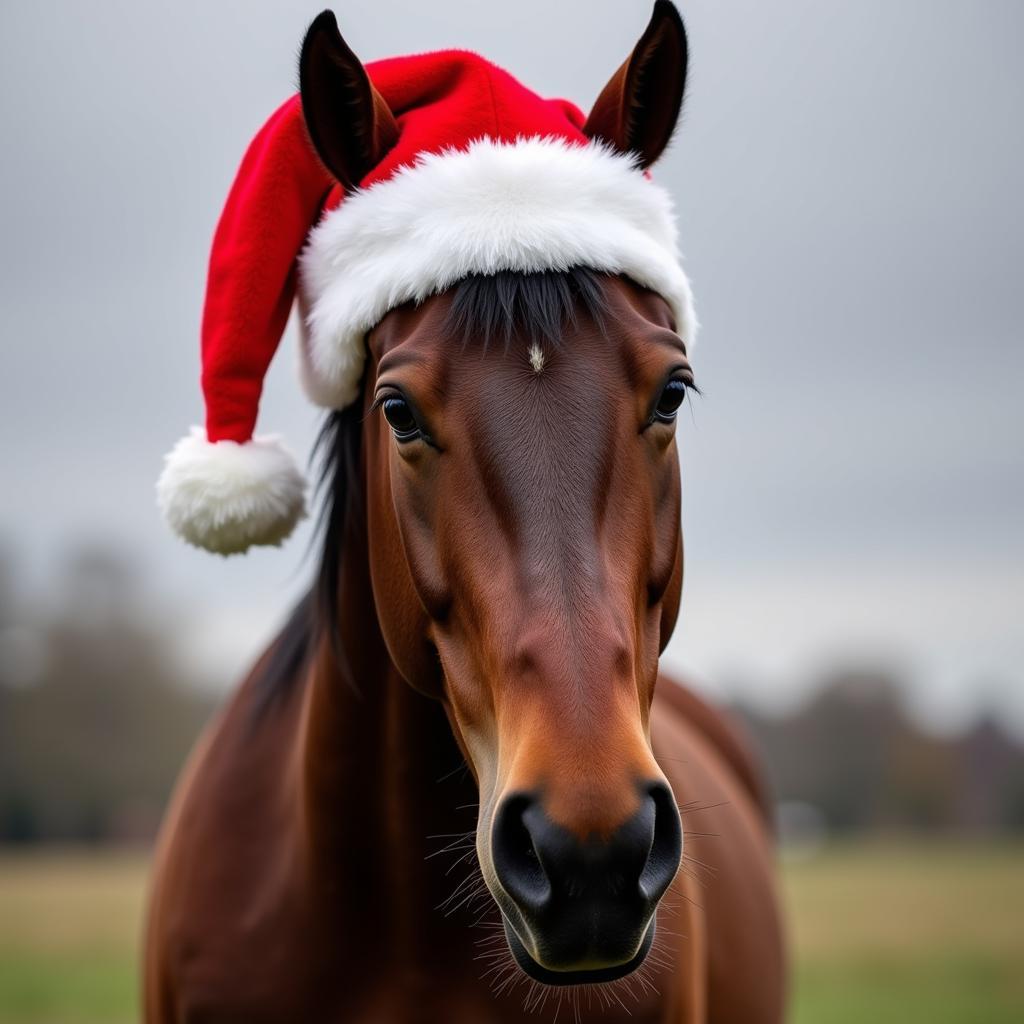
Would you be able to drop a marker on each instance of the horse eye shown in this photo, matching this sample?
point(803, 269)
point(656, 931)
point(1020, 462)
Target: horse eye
point(671, 398)
point(400, 418)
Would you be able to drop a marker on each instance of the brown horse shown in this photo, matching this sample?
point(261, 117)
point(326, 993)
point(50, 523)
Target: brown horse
point(501, 569)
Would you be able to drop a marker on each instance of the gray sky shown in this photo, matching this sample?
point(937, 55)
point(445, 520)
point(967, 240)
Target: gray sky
point(848, 180)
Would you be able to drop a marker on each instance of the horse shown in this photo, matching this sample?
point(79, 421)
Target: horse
point(455, 788)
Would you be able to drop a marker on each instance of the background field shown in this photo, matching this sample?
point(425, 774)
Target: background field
point(907, 934)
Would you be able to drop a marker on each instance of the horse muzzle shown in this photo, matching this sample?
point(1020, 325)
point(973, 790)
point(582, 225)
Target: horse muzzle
point(582, 911)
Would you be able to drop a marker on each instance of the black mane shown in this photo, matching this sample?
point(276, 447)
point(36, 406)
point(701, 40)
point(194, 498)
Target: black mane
point(484, 309)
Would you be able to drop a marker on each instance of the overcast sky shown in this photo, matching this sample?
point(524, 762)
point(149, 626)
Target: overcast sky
point(849, 185)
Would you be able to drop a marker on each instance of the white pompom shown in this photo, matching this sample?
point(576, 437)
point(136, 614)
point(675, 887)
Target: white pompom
point(227, 497)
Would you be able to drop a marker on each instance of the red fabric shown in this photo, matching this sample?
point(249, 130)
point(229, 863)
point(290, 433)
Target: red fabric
point(275, 198)
point(441, 100)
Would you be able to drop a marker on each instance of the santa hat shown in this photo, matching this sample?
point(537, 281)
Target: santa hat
point(381, 185)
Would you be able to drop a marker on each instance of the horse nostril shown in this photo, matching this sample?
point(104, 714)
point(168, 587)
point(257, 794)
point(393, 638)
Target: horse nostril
point(515, 857)
point(666, 845)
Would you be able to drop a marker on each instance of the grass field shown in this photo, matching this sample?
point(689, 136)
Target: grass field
point(903, 934)
point(909, 935)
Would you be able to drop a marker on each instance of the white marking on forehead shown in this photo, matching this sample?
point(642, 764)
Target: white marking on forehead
point(536, 357)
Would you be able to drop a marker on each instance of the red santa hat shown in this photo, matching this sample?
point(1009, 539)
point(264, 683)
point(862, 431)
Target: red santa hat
point(381, 185)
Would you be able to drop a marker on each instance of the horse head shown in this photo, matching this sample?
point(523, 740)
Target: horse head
point(522, 510)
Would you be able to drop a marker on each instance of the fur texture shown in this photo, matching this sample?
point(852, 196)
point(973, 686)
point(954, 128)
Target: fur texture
point(534, 205)
point(226, 497)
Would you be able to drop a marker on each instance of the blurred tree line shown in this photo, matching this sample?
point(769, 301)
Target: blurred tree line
point(853, 753)
point(97, 716)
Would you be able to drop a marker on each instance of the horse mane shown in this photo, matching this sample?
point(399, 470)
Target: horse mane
point(536, 307)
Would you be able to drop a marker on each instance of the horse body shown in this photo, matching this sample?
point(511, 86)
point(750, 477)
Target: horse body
point(464, 718)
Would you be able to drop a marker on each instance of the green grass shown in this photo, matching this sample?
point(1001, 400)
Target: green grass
point(69, 926)
point(84, 986)
point(902, 934)
point(897, 934)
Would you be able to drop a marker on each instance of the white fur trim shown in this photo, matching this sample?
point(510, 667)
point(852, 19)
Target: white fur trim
point(226, 497)
point(533, 205)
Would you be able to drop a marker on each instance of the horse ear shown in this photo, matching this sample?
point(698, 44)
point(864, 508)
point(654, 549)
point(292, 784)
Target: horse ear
point(638, 108)
point(349, 122)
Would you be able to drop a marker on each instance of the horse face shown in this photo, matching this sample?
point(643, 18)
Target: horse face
point(525, 553)
point(524, 536)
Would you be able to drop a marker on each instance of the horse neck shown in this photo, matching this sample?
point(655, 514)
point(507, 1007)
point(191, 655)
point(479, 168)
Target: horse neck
point(381, 780)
